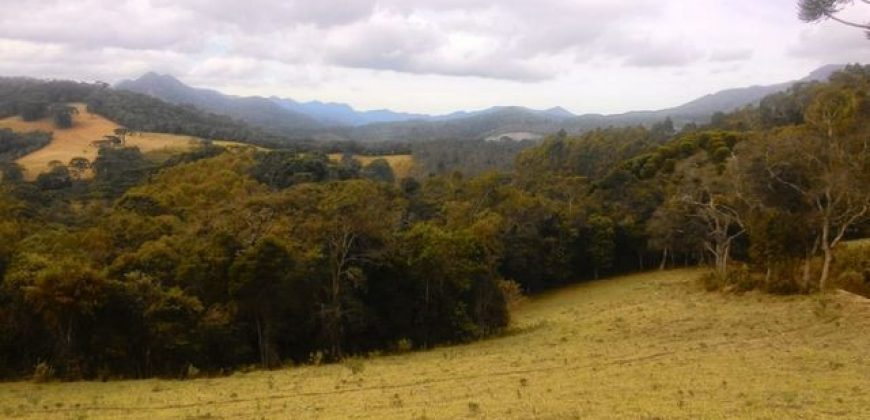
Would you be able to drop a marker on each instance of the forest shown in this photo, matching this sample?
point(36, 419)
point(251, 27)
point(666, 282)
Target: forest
point(221, 258)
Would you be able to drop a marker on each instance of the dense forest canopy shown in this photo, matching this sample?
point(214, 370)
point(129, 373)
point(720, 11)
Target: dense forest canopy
point(219, 258)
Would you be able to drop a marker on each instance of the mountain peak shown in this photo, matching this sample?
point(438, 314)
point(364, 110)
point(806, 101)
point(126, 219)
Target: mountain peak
point(823, 73)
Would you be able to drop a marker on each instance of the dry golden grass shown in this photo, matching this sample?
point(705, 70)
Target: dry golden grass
point(643, 346)
point(401, 164)
point(76, 141)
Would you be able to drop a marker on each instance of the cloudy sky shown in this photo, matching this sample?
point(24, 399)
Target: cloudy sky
point(432, 56)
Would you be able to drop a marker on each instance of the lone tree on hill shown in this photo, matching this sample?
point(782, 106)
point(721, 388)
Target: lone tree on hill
point(818, 10)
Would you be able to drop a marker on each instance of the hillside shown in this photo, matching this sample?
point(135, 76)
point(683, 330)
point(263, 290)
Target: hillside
point(76, 141)
point(644, 346)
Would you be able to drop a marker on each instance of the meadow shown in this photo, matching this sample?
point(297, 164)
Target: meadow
point(76, 141)
point(649, 345)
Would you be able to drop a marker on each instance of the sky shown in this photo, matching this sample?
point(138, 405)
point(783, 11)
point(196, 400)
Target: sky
point(432, 56)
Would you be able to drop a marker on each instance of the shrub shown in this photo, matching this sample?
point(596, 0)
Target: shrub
point(404, 345)
point(355, 365)
point(513, 293)
point(43, 372)
point(852, 269)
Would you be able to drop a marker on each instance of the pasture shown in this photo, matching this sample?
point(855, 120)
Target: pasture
point(76, 141)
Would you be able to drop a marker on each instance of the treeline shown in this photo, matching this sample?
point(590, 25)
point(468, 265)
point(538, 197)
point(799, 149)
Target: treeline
point(15, 145)
point(226, 258)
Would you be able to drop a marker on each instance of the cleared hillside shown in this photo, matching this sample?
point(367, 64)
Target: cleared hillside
point(643, 346)
point(76, 141)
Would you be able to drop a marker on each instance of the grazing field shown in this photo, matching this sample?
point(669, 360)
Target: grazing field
point(76, 141)
point(643, 346)
point(401, 164)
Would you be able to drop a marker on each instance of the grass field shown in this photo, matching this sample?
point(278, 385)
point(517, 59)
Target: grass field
point(643, 346)
point(401, 164)
point(76, 141)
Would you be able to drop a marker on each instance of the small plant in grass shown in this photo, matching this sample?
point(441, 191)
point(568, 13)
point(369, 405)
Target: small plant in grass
point(355, 365)
point(404, 345)
point(192, 371)
point(473, 407)
point(315, 358)
point(43, 372)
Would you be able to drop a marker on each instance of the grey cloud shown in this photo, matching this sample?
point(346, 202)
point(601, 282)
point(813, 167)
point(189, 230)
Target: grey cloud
point(731, 55)
point(816, 43)
point(664, 56)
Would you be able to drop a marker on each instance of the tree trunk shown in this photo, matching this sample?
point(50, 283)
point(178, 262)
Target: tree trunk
point(828, 256)
point(664, 259)
point(826, 268)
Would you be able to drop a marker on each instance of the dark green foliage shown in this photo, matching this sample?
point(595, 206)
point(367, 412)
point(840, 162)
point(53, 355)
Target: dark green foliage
point(56, 178)
point(62, 115)
point(379, 170)
point(33, 110)
point(118, 169)
point(282, 169)
point(14, 145)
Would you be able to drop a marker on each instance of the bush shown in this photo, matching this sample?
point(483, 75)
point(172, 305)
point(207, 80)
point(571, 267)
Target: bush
point(852, 269)
point(43, 372)
point(355, 365)
point(404, 345)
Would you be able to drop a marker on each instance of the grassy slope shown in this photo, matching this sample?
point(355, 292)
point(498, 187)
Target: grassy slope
point(76, 141)
point(643, 346)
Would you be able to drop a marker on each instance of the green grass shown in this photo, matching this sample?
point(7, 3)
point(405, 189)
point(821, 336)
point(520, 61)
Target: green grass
point(643, 346)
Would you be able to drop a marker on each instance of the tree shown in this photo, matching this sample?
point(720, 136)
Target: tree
point(260, 280)
point(351, 221)
point(818, 10)
point(379, 170)
point(58, 177)
point(718, 204)
point(33, 110)
point(78, 166)
point(122, 134)
point(827, 164)
point(62, 115)
point(65, 294)
point(601, 243)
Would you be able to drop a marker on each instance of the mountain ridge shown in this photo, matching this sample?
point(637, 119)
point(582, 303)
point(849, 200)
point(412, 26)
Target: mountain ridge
point(340, 121)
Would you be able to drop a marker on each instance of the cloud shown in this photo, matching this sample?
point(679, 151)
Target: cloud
point(731, 55)
point(664, 56)
point(562, 47)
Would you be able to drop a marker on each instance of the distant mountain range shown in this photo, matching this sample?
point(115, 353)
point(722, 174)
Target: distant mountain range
point(337, 121)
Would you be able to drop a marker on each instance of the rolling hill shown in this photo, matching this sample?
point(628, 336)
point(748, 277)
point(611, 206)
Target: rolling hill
point(644, 346)
point(76, 141)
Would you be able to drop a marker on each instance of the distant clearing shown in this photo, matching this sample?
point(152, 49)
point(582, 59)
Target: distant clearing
point(644, 346)
point(401, 164)
point(76, 141)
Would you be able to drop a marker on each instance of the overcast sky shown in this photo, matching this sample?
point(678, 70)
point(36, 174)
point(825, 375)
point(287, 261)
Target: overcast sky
point(432, 56)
